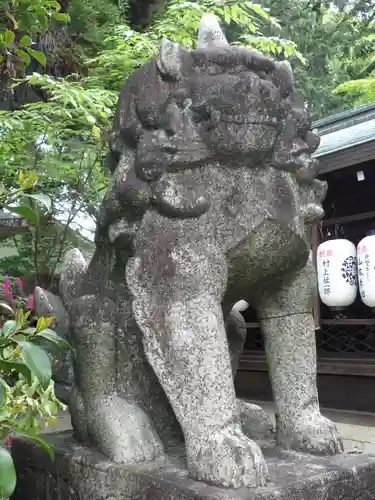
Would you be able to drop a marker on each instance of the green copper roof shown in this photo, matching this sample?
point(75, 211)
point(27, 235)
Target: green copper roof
point(346, 130)
point(346, 138)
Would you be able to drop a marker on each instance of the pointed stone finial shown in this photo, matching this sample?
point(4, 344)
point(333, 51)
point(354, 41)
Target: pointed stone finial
point(210, 34)
point(287, 67)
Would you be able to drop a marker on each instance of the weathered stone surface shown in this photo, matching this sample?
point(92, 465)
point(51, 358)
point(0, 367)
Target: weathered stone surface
point(81, 474)
point(211, 200)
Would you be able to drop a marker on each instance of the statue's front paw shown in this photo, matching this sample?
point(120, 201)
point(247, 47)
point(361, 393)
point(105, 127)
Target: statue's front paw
point(254, 420)
point(311, 433)
point(228, 458)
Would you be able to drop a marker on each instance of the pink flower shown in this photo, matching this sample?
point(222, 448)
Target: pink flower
point(8, 442)
point(7, 284)
point(30, 303)
point(8, 294)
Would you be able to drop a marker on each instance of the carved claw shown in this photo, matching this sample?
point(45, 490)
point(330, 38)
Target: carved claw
point(311, 433)
point(230, 459)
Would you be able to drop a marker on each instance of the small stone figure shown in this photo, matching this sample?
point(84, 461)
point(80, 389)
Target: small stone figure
point(212, 200)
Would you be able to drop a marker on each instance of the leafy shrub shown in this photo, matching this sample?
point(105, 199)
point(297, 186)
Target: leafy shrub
point(27, 396)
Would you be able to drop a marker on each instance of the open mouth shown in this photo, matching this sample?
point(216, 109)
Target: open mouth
point(244, 120)
point(297, 160)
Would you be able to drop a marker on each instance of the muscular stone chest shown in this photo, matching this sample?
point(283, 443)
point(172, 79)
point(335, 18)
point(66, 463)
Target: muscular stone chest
point(242, 199)
point(270, 252)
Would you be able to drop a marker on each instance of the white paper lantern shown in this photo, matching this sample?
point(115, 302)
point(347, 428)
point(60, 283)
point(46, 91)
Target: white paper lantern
point(366, 270)
point(337, 273)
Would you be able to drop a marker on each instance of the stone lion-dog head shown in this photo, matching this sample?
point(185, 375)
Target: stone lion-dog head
point(188, 108)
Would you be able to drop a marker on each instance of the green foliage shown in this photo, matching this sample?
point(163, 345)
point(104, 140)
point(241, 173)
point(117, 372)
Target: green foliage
point(64, 135)
point(361, 91)
point(90, 23)
point(360, 88)
point(16, 200)
point(7, 471)
point(127, 49)
point(64, 138)
point(333, 44)
point(20, 23)
point(27, 395)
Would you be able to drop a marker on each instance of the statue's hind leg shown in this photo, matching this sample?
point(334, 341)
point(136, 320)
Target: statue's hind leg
point(289, 332)
point(177, 304)
point(255, 422)
point(118, 426)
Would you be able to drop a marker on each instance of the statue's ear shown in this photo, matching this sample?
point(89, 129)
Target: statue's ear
point(169, 59)
point(284, 76)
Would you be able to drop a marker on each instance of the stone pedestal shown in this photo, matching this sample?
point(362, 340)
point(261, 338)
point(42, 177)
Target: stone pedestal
point(78, 473)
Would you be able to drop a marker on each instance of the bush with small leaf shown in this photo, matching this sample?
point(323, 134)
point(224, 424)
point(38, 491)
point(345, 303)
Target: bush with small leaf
point(20, 24)
point(27, 396)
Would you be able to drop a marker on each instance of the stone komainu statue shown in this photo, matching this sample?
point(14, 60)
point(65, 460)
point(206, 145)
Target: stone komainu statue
point(211, 201)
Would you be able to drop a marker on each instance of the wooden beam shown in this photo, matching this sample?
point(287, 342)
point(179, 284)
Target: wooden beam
point(347, 219)
point(328, 363)
point(331, 322)
point(348, 321)
point(346, 158)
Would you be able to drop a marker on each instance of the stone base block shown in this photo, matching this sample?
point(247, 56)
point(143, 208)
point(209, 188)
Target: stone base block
point(78, 473)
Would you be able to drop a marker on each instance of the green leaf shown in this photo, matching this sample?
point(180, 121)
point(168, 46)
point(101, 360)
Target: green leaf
point(21, 178)
point(37, 55)
point(52, 336)
point(28, 331)
point(9, 327)
point(31, 435)
point(19, 367)
point(9, 37)
point(3, 395)
point(55, 5)
point(21, 318)
point(25, 58)
point(60, 17)
point(26, 212)
point(50, 407)
point(42, 198)
point(37, 361)
point(30, 180)
point(7, 474)
point(25, 41)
